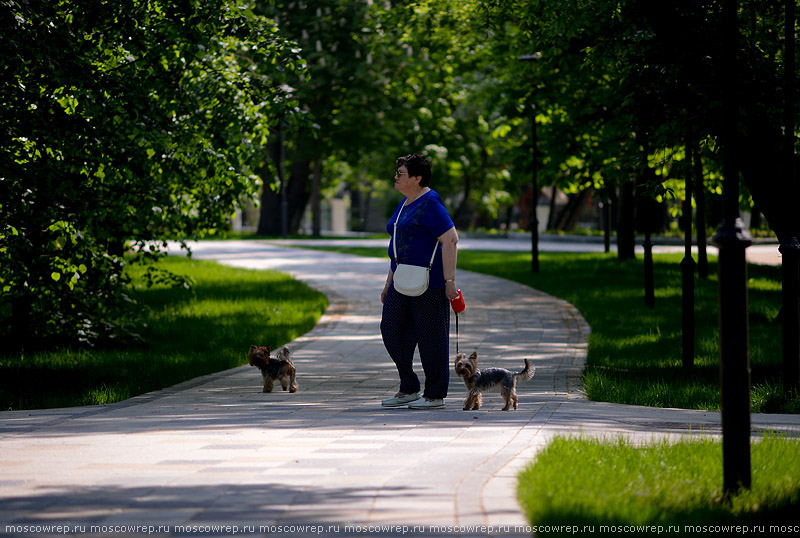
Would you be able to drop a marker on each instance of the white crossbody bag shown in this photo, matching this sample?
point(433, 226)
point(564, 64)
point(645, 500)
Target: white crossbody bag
point(411, 280)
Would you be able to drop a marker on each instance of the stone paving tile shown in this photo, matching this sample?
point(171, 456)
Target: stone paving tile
point(218, 451)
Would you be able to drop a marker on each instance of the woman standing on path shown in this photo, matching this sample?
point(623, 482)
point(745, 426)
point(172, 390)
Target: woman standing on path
point(407, 322)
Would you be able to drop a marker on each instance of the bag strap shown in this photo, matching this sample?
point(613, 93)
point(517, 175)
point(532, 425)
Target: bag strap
point(394, 240)
point(394, 234)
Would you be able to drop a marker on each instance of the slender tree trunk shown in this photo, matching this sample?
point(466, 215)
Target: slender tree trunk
point(357, 210)
point(606, 221)
point(551, 216)
point(568, 218)
point(20, 324)
point(298, 193)
point(687, 269)
point(462, 216)
point(316, 202)
point(647, 217)
point(269, 222)
point(700, 200)
point(626, 229)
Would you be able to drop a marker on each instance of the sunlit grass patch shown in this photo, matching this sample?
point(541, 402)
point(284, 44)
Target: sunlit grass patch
point(582, 481)
point(187, 335)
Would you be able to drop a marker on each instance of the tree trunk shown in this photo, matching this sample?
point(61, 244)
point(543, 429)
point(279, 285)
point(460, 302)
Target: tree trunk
point(316, 203)
point(626, 229)
point(298, 193)
point(551, 216)
point(20, 324)
point(356, 210)
point(297, 196)
point(700, 200)
point(649, 213)
point(462, 216)
point(569, 216)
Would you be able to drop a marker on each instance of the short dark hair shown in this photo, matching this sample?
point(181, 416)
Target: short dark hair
point(417, 165)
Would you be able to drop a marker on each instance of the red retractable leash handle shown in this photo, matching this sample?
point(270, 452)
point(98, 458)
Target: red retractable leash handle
point(458, 305)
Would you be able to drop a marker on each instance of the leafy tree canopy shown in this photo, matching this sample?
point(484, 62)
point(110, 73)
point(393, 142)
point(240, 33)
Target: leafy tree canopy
point(625, 85)
point(135, 121)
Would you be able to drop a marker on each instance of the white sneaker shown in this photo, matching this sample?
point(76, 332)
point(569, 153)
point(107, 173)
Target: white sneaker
point(400, 399)
point(425, 403)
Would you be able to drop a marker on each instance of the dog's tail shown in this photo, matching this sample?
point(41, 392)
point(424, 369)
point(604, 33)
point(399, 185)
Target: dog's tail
point(285, 354)
point(527, 372)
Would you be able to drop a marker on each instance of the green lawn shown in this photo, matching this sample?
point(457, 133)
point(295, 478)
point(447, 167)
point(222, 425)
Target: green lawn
point(611, 483)
point(188, 335)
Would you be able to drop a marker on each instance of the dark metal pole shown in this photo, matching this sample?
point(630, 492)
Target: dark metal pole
point(282, 179)
point(687, 271)
point(534, 221)
point(732, 239)
point(788, 75)
point(649, 284)
point(790, 248)
point(535, 188)
point(790, 313)
point(606, 224)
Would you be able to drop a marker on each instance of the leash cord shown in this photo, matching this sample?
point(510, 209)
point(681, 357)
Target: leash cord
point(456, 333)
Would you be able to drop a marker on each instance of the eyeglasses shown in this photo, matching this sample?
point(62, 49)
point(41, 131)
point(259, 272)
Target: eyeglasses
point(400, 174)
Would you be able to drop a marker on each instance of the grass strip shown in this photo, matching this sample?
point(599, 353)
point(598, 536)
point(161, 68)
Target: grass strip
point(189, 334)
point(608, 487)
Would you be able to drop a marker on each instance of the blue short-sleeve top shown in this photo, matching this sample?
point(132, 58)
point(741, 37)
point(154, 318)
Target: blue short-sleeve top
point(421, 223)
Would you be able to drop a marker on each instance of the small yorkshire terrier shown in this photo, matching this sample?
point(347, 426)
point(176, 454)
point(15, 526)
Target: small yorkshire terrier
point(478, 381)
point(278, 369)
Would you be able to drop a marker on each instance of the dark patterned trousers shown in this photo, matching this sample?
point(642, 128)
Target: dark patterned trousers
point(423, 322)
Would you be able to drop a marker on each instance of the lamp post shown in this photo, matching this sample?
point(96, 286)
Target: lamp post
point(649, 278)
point(606, 205)
point(287, 91)
point(282, 180)
point(790, 248)
point(732, 239)
point(534, 221)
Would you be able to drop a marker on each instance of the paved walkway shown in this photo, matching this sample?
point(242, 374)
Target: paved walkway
point(217, 451)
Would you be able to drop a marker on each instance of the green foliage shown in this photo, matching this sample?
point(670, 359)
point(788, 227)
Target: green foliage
point(459, 105)
point(583, 481)
point(123, 124)
point(136, 121)
point(349, 70)
point(345, 87)
point(190, 333)
point(390, 79)
point(621, 83)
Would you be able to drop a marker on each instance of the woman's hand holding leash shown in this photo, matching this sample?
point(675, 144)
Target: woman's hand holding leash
point(450, 290)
